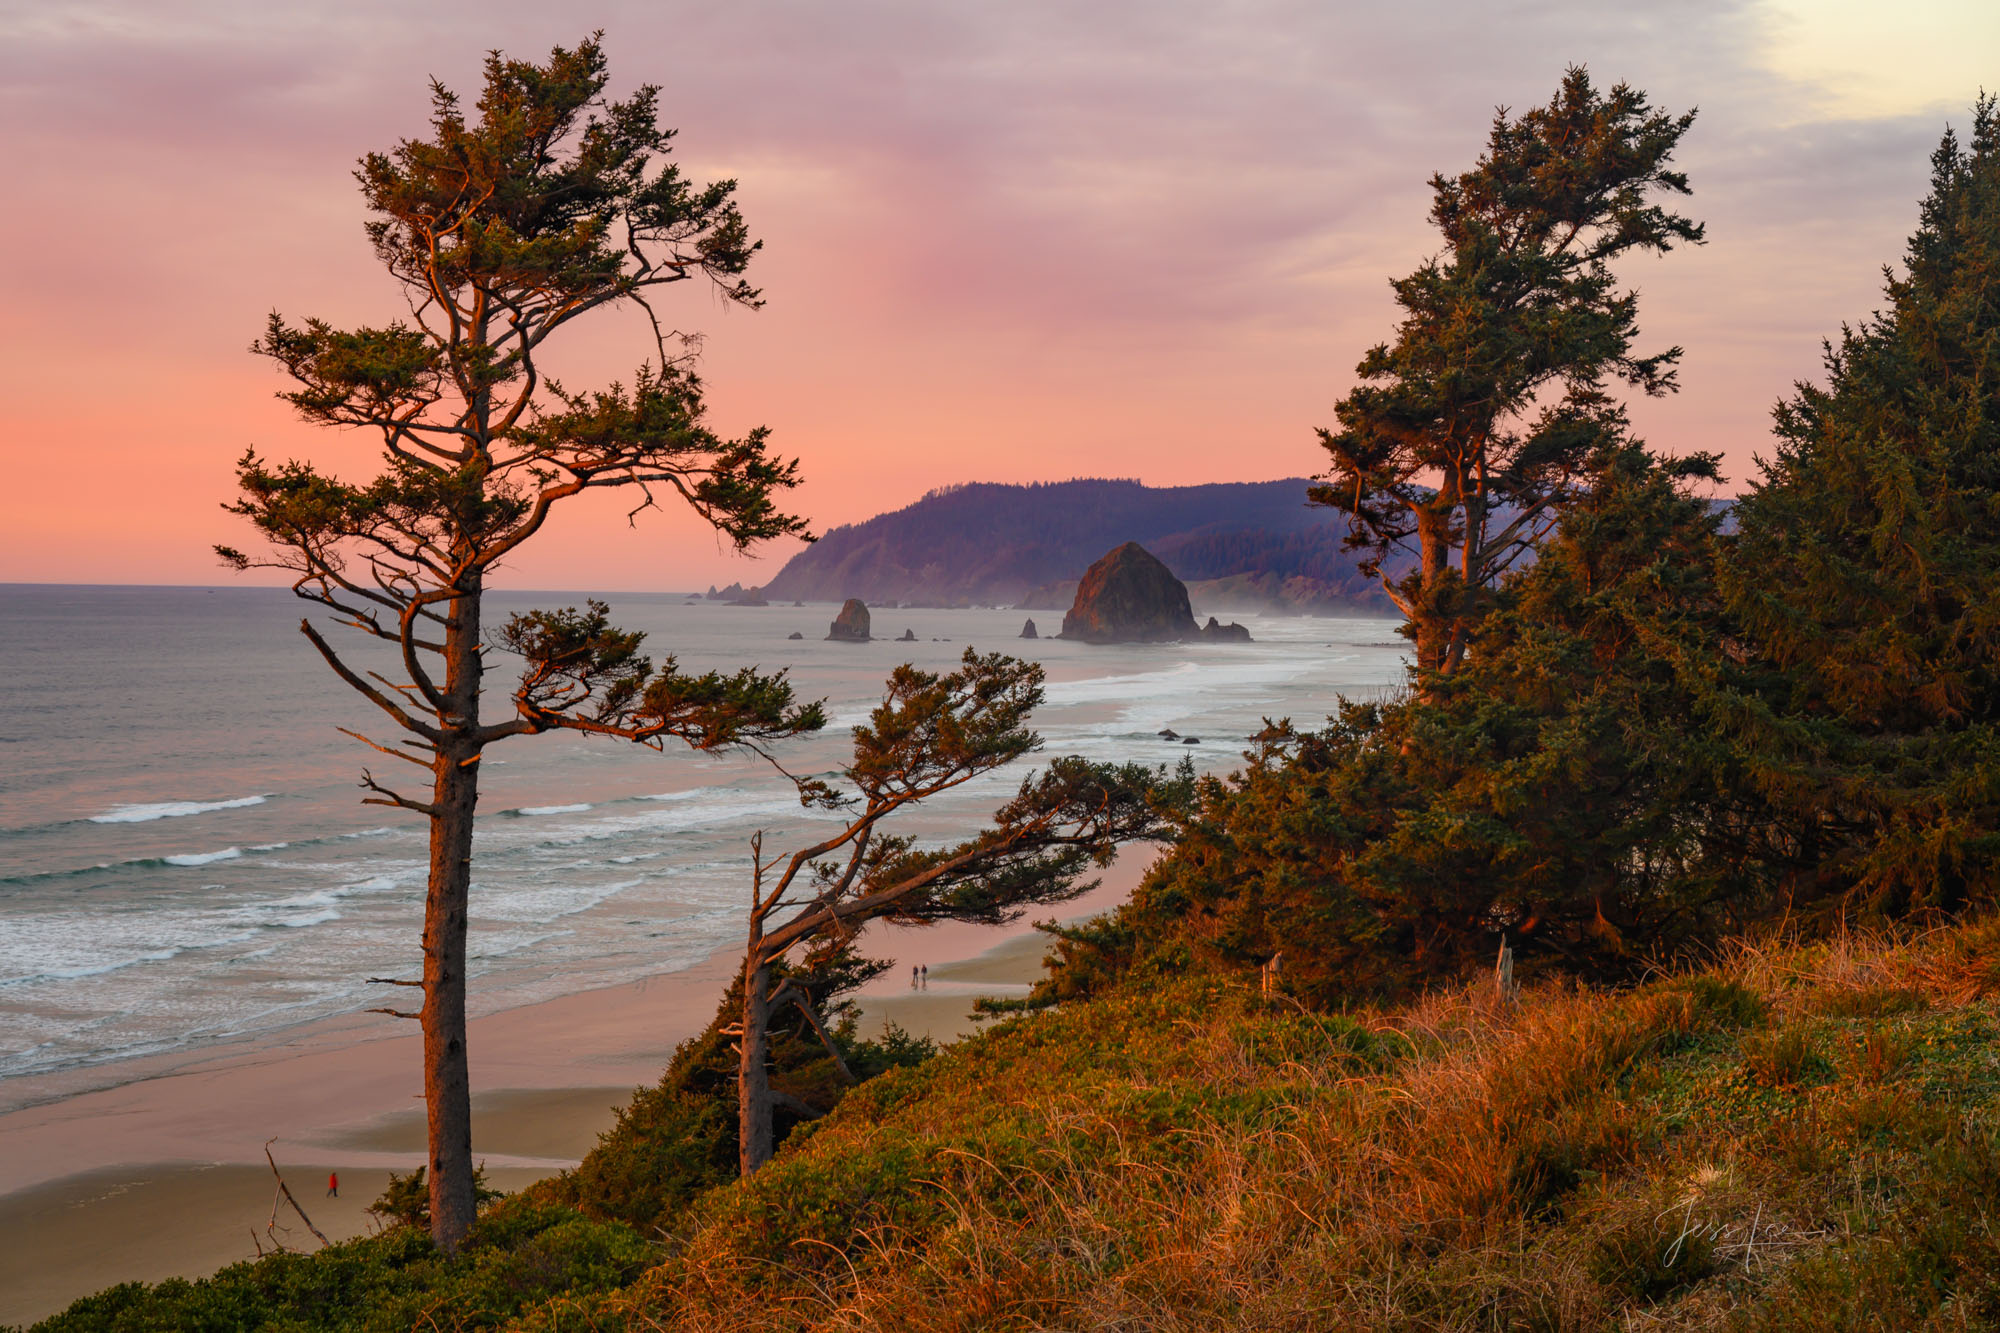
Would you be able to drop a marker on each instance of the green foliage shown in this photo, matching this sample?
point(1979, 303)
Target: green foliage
point(1490, 405)
point(517, 1256)
point(1868, 570)
point(585, 674)
point(678, 1139)
point(406, 1201)
point(1551, 789)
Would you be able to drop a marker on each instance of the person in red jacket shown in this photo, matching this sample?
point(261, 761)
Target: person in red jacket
point(333, 1184)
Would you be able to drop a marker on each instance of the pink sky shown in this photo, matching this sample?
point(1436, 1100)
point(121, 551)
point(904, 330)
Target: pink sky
point(1004, 242)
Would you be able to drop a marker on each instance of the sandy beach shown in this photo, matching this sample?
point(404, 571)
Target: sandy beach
point(163, 1174)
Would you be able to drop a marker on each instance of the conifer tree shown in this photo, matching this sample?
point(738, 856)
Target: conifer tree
point(1563, 788)
point(1467, 431)
point(930, 734)
point(501, 231)
point(1867, 569)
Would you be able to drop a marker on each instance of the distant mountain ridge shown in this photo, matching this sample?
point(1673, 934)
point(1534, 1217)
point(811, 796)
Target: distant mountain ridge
point(1253, 545)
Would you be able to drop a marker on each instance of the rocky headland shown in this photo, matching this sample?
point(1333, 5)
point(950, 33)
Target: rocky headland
point(1250, 546)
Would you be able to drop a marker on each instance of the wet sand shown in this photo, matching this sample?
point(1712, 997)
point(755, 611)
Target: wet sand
point(164, 1176)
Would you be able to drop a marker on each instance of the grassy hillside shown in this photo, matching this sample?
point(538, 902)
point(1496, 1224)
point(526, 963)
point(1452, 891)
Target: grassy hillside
point(1798, 1137)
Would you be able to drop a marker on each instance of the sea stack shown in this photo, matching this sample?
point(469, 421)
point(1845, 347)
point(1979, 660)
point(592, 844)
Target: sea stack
point(1230, 633)
point(1130, 597)
point(851, 625)
point(909, 636)
point(1028, 631)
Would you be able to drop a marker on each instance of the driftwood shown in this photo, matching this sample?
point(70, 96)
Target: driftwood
point(284, 1195)
point(1503, 973)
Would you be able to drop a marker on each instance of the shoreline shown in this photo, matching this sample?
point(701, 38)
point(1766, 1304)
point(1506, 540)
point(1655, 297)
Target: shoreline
point(162, 1174)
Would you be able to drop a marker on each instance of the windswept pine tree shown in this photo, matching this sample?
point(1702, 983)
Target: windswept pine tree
point(1868, 569)
point(1467, 431)
point(500, 232)
point(931, 733)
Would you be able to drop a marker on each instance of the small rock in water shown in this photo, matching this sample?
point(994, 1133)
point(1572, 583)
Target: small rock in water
point(909, 636)
point(795, 635)
point(1190, 740)
point(1169, 734)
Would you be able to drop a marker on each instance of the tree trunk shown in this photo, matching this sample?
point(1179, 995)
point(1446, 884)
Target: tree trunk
point(753, 1073)
point(447, 1073)
point(1432, 626)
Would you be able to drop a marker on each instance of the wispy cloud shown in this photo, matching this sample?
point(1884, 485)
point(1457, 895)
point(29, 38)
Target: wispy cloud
point(1003, 241)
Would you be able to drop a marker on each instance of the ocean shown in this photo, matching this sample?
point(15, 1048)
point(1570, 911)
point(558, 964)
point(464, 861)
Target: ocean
point(184, 859)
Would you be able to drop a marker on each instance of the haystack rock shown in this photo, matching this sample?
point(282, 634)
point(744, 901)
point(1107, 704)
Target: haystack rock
point(1230, 633)
point(851, 625)
point(1028, 631)
point(1130, 597)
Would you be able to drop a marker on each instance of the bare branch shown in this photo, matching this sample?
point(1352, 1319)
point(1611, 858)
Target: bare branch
point(795, 1106)
point(287, 1193)
point(384, 796)
point(367, 691)
point(394, 754)
point(804, 1004)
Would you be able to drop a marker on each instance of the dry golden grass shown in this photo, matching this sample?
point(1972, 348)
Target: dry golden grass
point(1186, 1156)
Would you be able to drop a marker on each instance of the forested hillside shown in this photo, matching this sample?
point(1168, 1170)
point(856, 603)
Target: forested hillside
point(989, 544)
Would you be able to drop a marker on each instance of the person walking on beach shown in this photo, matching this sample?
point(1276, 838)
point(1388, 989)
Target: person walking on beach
point(913, 976)
point(927, 976)
point(333, 1184)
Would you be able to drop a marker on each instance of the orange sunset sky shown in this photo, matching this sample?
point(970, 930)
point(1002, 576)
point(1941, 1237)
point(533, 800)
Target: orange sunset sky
point(1004, 241)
